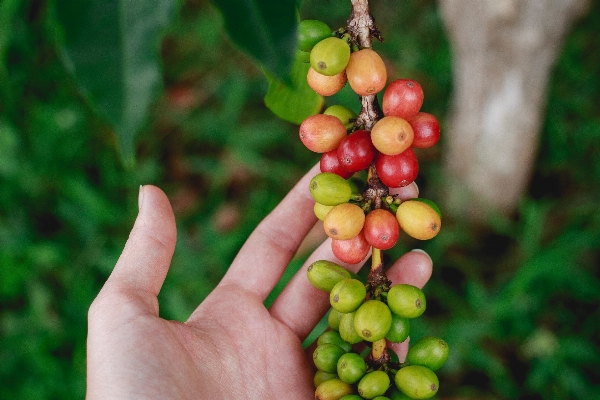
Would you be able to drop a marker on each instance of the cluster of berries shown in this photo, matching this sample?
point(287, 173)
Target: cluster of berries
point(351, 359)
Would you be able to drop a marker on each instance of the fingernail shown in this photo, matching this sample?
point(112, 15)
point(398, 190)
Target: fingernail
point(422, 251)
point(140, 197)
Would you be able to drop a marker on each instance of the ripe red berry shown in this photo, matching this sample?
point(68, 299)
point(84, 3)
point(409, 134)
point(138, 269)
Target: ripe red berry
point(351, 251)
point(402, 98)
point(399, 170)
point(356, 152)
point(426, 130)
point(331, 163)
point(381, 229)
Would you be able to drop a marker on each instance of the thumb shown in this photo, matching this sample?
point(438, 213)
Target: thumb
point(144, 263)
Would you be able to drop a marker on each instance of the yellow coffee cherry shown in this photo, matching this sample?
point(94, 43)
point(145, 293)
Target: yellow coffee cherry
point(419, 220)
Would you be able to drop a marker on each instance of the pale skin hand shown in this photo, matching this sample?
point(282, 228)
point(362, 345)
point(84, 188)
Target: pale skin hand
point(231, 347)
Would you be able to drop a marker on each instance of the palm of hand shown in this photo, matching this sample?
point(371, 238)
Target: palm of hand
point(231, 347)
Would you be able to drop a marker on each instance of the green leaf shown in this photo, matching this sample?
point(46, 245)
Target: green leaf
point(264, 29)
point(112, 49)
point(295, 102)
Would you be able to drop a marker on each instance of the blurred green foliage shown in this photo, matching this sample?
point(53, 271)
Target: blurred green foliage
point(517, 300)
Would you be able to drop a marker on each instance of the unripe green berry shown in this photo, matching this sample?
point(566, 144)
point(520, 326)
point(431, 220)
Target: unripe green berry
point(429, 351)
point(347, 295)
point(373, 384)
point(334, 318)
point(351, 397)
point(330, 56)
point(372, 320)
point(325, 274)
point(351, 367)
point(347, 331)
point(330, 189)
point(399, 330)
point(417, 382)
point(407, 301)
point(311, 32)
point(326, 357)
point(334, 337)
point(344, 114)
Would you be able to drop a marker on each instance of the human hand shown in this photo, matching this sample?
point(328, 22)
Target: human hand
point(231, 347)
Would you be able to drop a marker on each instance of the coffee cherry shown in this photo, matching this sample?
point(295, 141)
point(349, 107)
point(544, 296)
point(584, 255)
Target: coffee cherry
point(426, 129)
point(331, 163)
point(372, 320)
point(351, 367)
point(373, 384)
point(419, 220)
point(344, 221)
point(321, 210)
point(333, 319)
point(356, 152)
point(366, 72)
point(429, 351)
point(381, 229)
point(322, 376)
point(334, 337)
point(399, 330)
point(325, 274)
point(321, 133)
point(347, 331)
point(346, 115)
point(311, 32)
point(333, 389)
point(406, 301)
point(347, 295)
point(351, 397)
point(417, 382)
point(330, 56)
point(392, 135)
point(326, 357)
point(330, 189)
point(402, 98)
point(323, 84)
point(351, 251)
point(399, 170)
point(381, 398)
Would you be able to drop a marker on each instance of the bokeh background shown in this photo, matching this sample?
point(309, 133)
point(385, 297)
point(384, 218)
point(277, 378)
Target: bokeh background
point(516, 296)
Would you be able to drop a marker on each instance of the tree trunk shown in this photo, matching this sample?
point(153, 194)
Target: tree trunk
point(503, 54)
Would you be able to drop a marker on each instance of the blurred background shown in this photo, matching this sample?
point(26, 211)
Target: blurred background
point(515, 291)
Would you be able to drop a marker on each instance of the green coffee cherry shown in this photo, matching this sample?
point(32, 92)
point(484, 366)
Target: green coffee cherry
point(330, 189)
point(326, 357)
point(347, 295)
point(330, 56)
point(417, 382)
point(333, 389)
point(351, 367)
point(325, 274)
point(334, 318)
point(334, 337)
point(347, 331)
point(429, 351)
point(344, 114)
point(372, 320)
point(374, 384)
point(399, 330)
point(407, 301)
point(381, 398)
point(311, 32)
point(322, 376)
point(351, 397)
